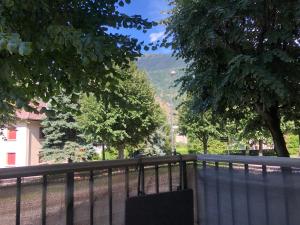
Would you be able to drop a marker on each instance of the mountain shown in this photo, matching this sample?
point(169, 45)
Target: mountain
point(162, 71)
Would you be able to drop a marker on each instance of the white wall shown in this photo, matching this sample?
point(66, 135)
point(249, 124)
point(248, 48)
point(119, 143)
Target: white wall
point(18, 146)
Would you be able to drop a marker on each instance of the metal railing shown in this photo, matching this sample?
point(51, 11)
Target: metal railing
point(228, 189)
point(69, 171)
point(248, 190)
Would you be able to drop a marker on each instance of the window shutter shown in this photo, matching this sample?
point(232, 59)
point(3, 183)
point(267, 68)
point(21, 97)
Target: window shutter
point(12, 134)
point(11, 159)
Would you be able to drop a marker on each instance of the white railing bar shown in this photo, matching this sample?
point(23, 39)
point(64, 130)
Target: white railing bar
point(256, 160)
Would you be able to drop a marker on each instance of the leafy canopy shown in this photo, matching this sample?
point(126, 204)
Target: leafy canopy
point(47, 46)
point(125, 117)
point(242, 55)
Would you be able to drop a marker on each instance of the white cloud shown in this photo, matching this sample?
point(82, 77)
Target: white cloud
point(156, 36)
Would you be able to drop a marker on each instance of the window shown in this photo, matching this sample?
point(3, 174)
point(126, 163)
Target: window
point(11, 134)
point(11, 159)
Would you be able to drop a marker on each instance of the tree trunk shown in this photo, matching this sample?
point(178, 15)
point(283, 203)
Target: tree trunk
point(205, 144)
point(121, 152)
point(272, 119)
point(103, 151)
point(260, 146)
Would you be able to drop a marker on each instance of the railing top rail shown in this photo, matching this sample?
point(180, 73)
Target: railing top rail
point(256, 160)
point(40, 170)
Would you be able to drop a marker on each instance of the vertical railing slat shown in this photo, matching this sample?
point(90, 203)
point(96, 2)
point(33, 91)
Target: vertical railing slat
point(44, 199)
point(264, 174)
point(69, 198)
point(218, 192)
point(205, 205)
point(286, 193)
point(18, 201)
point(127, 182)
point(248, 194)
point(156, 178)
point(110, 195)
point(232, 193)
point(180, 186)
point(143, 179)
point(91, 195)
point(170, 176)
point(197, 205)
point(184, 175)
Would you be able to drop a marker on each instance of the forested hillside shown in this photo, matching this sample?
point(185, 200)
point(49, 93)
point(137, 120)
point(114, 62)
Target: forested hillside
point(160, 69)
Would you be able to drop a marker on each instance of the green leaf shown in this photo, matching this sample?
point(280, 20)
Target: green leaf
point(25, 48)
point(12, 46)
point(3, 44)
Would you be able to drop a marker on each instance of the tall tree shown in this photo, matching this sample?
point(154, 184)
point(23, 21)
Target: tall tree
point(62, 136)
point(47, 46)
point(124, 116)
point(242, 55)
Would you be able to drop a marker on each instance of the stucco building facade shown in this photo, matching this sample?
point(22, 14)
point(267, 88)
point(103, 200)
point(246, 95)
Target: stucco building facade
point(21, 142)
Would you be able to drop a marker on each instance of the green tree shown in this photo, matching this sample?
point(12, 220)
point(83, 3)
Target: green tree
point(158, 143)
point(199, 125)
point(241, 55)
point(62, 136)
point(47, 46)
point(124, 116)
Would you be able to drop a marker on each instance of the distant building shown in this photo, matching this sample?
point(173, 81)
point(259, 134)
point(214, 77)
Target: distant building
point(181, 139)
point(22, 142)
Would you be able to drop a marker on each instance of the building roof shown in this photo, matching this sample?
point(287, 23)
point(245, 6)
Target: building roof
point(24, 115)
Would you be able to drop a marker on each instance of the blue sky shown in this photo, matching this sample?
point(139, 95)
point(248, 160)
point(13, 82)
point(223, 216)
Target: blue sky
point(152, 10)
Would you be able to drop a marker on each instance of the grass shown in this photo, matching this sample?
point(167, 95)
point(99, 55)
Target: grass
point(182, 149)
